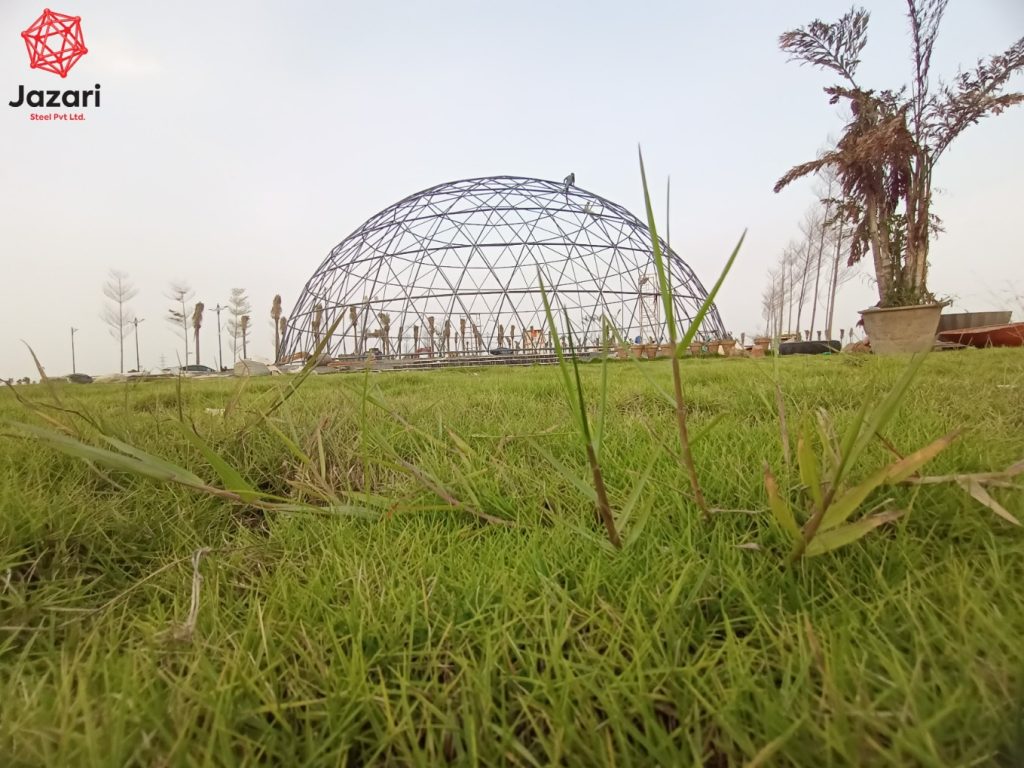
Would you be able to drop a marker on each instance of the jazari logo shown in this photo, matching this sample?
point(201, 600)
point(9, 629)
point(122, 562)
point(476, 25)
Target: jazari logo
point(55, 44)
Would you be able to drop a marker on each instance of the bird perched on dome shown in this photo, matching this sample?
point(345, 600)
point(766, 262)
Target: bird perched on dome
point(570, 181)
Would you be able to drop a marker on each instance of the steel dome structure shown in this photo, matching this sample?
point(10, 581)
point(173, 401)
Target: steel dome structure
point(453, 270)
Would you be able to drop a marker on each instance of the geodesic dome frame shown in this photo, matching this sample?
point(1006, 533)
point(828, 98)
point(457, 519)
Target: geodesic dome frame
point(453, 270)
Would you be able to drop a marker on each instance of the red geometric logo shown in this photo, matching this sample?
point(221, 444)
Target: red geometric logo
point(54, 42)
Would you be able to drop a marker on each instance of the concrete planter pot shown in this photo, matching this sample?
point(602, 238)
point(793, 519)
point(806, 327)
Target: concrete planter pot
point(897, 330)
point(651, 350)
point(728, 347)
point(695, 348)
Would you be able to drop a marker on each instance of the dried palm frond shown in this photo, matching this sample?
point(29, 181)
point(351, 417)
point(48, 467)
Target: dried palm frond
point(835, 46)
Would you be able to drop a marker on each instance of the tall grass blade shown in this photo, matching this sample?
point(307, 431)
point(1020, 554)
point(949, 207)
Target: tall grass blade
point(842, 508)
point(827, 541)
point(46, 380)
point(634, 496)
point(810, 472)
point(686, 459)
point(978, 492)
point(293, 447)
point(296, 381)
point(635, 530)
point(143, 456)
point(877, 417)
point(563, 369)
point(695, 324)
point(659, 258)
point(565, 472)
point(604, 510)
point(663, 272)
point(829, 443)
point(780, 404)
point(780, 508)
point(140, 464)
point(602, 408)
point(230, 477)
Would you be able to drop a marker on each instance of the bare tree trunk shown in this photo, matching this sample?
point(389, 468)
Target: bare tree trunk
point(792, 291)
point(184, 324)
point(781, 301)
point(817, 268)
point(834, 283)
point(120, 323)
point(804, 273)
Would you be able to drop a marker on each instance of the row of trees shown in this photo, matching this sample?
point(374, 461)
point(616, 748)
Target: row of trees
point(800, 295)
point(186, 316)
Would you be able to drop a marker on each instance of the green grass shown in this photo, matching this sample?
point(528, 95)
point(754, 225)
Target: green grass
point(429, 636)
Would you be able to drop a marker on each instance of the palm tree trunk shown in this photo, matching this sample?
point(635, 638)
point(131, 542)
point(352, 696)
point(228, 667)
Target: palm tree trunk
point(879, 251)
point(918, 204)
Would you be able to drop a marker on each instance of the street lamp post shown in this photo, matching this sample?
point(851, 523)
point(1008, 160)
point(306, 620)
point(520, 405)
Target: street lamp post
point(73, 331)
point(220, 352)
point(135, 322)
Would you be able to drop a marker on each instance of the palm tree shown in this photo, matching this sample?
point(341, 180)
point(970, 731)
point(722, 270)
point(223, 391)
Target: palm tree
point(282, 324)
point(318, 318)
point(430, 331)
point(416, 340)
point(888, 151)
point(353, 319)
point(501, 335)
point(197, 323)
point(462, 332)
point(244, 328)
point(385, 329)
point(275, 315)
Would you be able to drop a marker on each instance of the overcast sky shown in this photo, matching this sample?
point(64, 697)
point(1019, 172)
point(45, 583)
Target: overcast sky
point(238, 142)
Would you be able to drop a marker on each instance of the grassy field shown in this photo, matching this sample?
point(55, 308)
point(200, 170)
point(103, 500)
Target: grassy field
point(429, 636)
